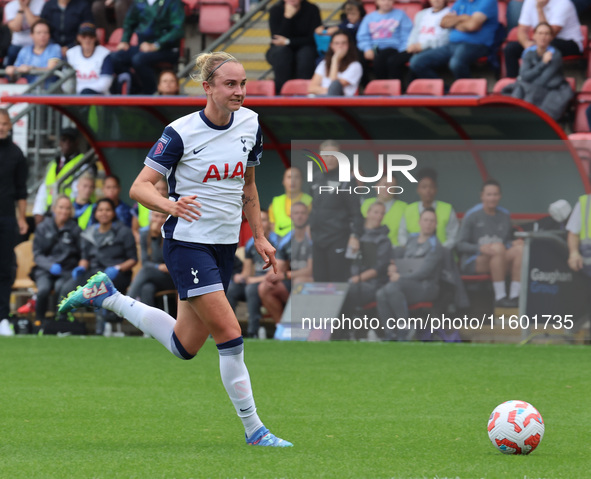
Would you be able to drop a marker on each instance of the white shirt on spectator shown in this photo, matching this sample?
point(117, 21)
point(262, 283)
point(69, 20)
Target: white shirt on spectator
point(23, 37)
point(561, 13)
point(427, 29)
point(352, 75)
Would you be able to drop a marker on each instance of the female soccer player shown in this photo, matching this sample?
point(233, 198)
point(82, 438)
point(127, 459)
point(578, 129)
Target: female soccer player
point(209, 155)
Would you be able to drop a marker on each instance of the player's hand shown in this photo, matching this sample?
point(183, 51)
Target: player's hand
point(354, 244)
point(186, 208)
point(267, 252)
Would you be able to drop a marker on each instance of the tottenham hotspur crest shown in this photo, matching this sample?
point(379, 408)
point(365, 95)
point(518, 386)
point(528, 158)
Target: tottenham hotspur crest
point(243, 144)
point(194, 273)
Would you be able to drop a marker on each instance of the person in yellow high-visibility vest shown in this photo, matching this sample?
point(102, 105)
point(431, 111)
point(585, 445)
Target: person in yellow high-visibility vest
point(280, 209)
point(394, 208)
point(83, 204)
point(57, 170)
point(447, 221)
point(579, 235)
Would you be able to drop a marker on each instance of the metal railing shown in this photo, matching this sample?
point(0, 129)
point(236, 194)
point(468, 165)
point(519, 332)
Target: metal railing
point(252, 16)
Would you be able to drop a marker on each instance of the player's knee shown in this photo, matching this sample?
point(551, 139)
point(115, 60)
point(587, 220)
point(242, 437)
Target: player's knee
point(178, 349)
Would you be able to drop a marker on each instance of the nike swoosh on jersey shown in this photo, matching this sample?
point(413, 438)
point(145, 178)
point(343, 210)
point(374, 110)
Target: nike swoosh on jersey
point(195, 152)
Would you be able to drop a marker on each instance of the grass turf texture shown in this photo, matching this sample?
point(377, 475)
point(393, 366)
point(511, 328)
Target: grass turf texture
point(124, 407)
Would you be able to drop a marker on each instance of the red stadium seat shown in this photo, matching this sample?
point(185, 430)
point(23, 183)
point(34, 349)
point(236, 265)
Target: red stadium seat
point(502, 13)
point(424, 86)
point(369, 5)
point(3, 81)
point(260, 88)
point(215, 16)
point(572, 82)
point(295, 88)
point(116, 37)
point(383, 88)
point(582, 143)
point(502, 83)
point(469, 86)
point(101, 35)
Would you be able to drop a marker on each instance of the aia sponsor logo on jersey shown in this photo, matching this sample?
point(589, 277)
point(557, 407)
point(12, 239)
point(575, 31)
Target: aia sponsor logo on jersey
point(87, 76)
point(214, 174)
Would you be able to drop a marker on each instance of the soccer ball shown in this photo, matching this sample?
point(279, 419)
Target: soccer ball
point(515, 427)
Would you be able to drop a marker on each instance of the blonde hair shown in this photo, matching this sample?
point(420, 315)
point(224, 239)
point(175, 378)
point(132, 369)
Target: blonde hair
point(207, 63)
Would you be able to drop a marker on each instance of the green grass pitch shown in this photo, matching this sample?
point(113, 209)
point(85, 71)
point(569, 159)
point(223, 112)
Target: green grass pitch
point(124, 407)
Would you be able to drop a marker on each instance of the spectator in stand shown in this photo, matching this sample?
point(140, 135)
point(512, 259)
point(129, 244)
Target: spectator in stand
point(160, 28)
point(582, 6)
point(473, 25)
point(414, 274)
point(244, 286)
point(168, 83)
point(447, 220)
point(427, 32)
point(56, 251)
point(59, 173)
point(281, 206)
point(83, 204)
point(382, 37)
point(41, 55)
point(112, 191)
point(353, 13)
point(566, 30)
point(395, 208)
point(102, 10)
point(369, 268)
point(65, 17)
point(339, 73)
point(94, 69)
point(335, 221)
point(485, 245)
point(293, 49)
point(541, 80)
point(107, 246)
point(294, 264)
point(19, 15)
point(154, 276)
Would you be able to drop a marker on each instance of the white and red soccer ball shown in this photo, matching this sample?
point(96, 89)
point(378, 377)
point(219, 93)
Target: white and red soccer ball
point(515, 427)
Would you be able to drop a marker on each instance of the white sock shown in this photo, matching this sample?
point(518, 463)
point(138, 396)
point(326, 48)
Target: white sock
point(499, 287)
point(515, 289)
point(236, 380)
point(152, 321)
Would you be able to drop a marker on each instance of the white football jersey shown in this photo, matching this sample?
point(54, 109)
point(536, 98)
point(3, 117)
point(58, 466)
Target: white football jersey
point(95, 72)
point(203, 159)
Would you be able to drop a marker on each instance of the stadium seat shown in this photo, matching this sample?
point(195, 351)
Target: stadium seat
point(469, 86)
point(502, 6)
point(424, 86)
point(572, 82)
point(260, 88)
point(3, 81)
point(101, 35)
point(215, 16)
point(383, 88)
point(502, 83)
point(191, 7)
point(295, 88)
point(116, 37)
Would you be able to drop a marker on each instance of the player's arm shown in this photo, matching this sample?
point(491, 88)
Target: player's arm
point(143, 190)
point(252, 210)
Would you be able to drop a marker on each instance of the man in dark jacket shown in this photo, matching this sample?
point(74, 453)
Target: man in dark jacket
point(13, 191)
point(65, 18)
point(336, 223)
point(159, 27)
point(293, 48)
